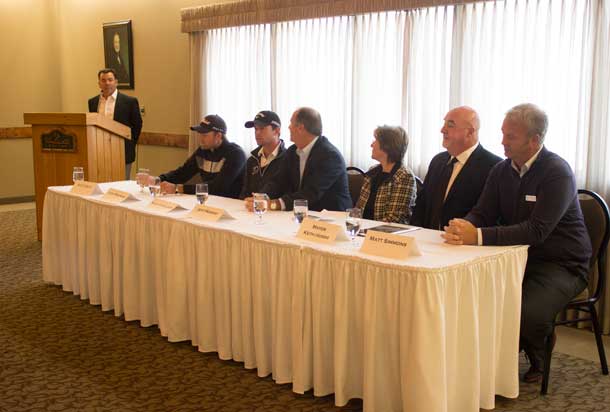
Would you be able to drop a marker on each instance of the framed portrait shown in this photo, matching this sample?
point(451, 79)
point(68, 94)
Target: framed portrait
point(118, 52)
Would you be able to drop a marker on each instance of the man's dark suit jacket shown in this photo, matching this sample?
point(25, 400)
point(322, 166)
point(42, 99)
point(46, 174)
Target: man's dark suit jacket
point(324, 182)
point(464, 192)
point(127, 112)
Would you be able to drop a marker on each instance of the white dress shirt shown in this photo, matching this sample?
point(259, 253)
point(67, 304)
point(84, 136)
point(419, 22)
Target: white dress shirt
point(303, 156)
point(462, 158)
point(106, 105)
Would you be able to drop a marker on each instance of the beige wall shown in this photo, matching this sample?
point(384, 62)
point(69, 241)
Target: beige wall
point(56, 60)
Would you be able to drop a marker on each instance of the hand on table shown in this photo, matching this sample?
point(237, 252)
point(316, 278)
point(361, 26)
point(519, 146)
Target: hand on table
point(460, 232)
point(168, 188)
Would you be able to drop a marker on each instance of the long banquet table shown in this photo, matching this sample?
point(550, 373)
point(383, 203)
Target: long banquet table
point(437, 332)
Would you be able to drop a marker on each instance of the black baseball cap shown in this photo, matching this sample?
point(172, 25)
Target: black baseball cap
point(211, 123)
point(264, 118)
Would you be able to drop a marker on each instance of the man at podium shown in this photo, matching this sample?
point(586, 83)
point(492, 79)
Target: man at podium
point(120, 108)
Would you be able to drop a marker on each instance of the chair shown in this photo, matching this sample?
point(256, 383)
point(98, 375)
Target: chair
point(597, 220)
point(419, 184)
point(355, 178)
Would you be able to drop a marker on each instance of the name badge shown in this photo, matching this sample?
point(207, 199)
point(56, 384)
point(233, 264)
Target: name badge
point(117, 196)
point(208, 213)
point(319, 232)
point(389, 245)
point(530, 198)
point(84, 188)
point(163, 206)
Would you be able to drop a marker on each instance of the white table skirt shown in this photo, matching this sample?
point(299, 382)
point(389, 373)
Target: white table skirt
point(432, 333)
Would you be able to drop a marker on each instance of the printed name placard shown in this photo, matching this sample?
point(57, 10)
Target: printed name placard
point(163, 206)
point(84, 188)
point(318, 231)
point(208, 213)
point(389, 245)
point(117, 196)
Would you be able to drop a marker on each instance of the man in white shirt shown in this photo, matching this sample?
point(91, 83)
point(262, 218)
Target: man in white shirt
point(313, 168)
point(456, 177)
point(264, 162)
point(121, 108)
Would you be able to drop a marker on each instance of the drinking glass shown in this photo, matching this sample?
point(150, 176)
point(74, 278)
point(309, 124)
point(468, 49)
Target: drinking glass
point(78, 174)
point(299, 209)
point(352, 222)
point(142, 178)
point(201, 191)
point(155, 186)
point(260, 203)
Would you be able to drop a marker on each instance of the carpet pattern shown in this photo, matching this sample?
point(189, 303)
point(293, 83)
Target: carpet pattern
point(58, 353)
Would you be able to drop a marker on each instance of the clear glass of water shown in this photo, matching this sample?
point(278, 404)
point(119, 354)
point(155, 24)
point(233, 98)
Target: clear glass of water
point(142, 178)
point(201, 192)
point(260, 204)
point(78, 174)
point(154, 186)
point(300, 210)
point(352, 222)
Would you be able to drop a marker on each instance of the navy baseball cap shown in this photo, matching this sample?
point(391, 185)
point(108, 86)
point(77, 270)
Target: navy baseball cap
point(264, 118)
point(211, 123)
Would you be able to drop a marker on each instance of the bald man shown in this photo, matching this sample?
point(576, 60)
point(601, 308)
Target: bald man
point(456, 177)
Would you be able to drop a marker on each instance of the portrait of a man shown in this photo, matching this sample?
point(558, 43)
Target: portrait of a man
point(118, 52)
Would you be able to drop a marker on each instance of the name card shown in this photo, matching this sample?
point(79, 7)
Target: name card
point(84, 188)
point(163, 206)
point(117, 196)
point(318, 231)
point(389, 245)
point(208, 213)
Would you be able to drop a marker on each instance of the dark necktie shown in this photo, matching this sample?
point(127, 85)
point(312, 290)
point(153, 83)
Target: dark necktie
point(439, 195)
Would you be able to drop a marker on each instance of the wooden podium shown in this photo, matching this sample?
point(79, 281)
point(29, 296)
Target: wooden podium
point(61, 141)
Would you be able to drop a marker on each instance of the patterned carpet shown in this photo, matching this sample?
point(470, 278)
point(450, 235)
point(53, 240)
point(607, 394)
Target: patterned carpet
point(58, 353)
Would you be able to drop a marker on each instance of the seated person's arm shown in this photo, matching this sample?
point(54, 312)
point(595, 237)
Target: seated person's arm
point(402, 196)
point(232, 168)
point(181, 175)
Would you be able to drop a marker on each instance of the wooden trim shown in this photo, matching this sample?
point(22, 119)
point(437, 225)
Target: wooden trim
point(18, 199)
point(16, 132)
point(146, 138)
point(248, 12)
point(164, 139)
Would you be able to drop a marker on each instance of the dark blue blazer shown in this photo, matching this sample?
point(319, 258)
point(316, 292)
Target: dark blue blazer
point(464, 192)
point(127, 112)
point(324, 182)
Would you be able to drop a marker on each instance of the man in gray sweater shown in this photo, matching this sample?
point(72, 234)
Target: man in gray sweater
point(531, 199)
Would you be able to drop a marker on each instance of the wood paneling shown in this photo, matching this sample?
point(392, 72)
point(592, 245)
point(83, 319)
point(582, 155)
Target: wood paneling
point(146, 138)
point(99, 150)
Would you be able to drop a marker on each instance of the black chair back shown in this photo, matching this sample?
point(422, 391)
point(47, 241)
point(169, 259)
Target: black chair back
point(419, 184)
point(355, 179)
point(597, 220)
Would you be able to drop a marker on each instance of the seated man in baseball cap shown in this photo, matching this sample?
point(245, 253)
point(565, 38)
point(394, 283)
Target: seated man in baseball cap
point(264, 163)
point(217, 162)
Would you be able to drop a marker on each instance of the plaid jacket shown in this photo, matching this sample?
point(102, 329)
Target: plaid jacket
point(395, 197)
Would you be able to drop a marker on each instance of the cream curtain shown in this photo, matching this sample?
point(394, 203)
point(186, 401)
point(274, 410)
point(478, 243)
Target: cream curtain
point(198, 85)
point(409, 67)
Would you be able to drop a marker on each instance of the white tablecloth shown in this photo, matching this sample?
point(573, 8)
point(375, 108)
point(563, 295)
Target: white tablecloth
point(438, 332)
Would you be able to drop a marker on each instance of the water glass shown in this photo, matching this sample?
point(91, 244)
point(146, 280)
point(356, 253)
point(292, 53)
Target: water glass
point(300, 210)
point(201, 192)
point(352, 222)
point(78, 174)
point(155, 186)
point(142, 178)
point(260, 204)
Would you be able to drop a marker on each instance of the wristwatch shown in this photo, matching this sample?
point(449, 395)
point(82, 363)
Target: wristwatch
point(274, 204)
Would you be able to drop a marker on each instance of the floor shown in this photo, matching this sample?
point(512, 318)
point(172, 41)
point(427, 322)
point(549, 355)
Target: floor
point(571, 341)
